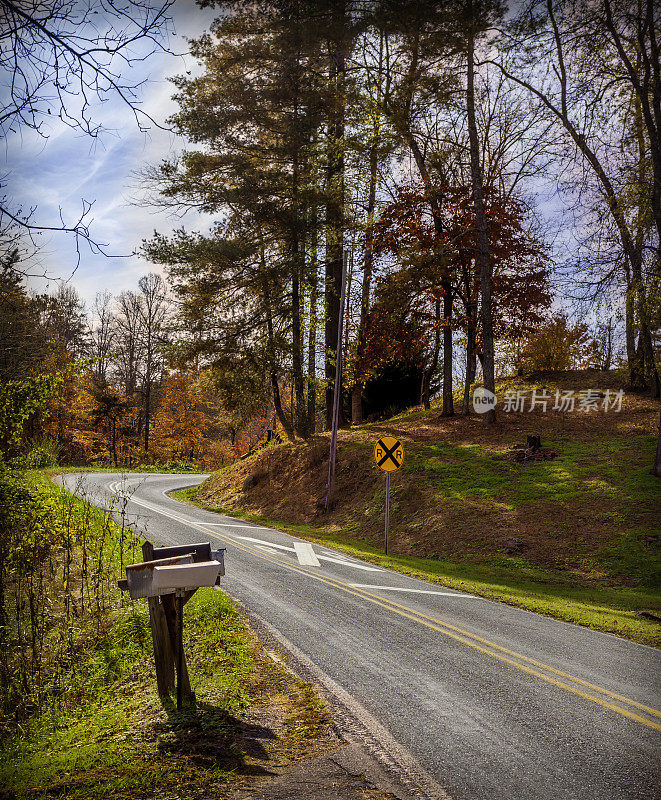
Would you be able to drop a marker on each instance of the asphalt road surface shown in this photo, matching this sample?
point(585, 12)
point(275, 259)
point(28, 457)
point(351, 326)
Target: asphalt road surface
point(466, 698)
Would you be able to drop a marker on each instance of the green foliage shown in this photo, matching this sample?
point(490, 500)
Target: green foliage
point(112, 738)
point(224, 650)
point(256, 111)
point(20, 400)
point(28, 523)
point(59, 559)
point(23, 345)
point(40, 455)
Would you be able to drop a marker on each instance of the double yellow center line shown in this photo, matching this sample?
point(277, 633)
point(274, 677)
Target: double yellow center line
point(563, 680)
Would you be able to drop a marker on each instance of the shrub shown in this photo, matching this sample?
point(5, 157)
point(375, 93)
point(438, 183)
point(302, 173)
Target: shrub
point(556, 345)
point(45, 453)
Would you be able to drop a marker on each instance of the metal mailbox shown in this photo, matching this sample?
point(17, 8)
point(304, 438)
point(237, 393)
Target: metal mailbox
point(168, 571)
point(201, 552)
point(168, 577)
point(140, 577)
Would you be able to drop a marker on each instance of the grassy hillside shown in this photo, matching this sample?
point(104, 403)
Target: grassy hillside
point(585, 521)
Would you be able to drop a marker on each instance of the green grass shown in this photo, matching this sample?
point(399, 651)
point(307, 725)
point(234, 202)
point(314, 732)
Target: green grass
point(95, 726)
point(61, 470)
point(508, 579)
point(115, 740)
point(592, 470)
point(92, 725)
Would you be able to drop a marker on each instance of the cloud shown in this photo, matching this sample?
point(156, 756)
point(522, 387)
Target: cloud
point(55, 175)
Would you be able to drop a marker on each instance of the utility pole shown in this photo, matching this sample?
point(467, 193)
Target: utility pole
point(330, 486)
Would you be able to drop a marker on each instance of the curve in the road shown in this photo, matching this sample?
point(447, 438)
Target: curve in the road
point(487, 699)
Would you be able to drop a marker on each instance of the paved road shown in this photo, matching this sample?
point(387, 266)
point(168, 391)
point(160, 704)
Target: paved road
point(478, 698)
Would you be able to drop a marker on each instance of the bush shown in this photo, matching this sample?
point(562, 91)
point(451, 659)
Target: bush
point(176, 465)
point(557, 345)
point(39, 455)
point(59, 560)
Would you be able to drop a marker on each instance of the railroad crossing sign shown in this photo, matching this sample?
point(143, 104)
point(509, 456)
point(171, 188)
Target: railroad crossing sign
point(389, 454)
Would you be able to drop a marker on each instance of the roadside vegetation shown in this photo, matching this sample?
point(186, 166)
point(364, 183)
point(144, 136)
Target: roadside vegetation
point(574, 535)
point(80, 716)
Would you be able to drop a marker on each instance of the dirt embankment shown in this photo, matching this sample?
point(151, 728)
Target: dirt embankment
point(465, 491)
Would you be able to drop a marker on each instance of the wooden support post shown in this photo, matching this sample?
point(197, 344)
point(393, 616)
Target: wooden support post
point(179, 603)
point(166, 622)
point(163, 653)
point(169, 603)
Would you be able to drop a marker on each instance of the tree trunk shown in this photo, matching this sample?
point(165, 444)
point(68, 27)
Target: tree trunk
point(638, 244)
point(609, 347)
point(471, 327)
point(114, 441)
point(470, 369)
point(335, 201)
point(312, 336)
point(488, 352)
point(368, 262)
point(300, 416)
point(645, 337)
point(148, 391)
point(645, 78)
point(656, 469)
point(277, 404)
point(356, 404)
point(636, 373)
point(270, 345)
point(297, 269)
point(429, 371)
point(448, 402)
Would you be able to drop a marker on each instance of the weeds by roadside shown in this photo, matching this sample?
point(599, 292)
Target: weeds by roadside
point(81, 716)
point(59, 558)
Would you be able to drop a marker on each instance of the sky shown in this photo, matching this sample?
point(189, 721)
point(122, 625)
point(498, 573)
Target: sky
point(68, 167)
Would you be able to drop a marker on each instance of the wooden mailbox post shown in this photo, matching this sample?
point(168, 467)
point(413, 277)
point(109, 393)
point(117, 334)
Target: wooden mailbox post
point(168, 577)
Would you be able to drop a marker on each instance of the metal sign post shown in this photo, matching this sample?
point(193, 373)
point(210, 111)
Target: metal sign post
point(330, 485)
point(389, 457)
point(387, 508)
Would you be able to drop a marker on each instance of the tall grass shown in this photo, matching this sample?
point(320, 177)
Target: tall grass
point(59, 560)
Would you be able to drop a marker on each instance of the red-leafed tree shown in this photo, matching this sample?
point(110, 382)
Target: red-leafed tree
point(441, 267)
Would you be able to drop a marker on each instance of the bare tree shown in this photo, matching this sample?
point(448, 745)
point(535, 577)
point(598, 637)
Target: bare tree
point(579, 60)
point(153, 307)
point(101, 333)
point(57, 57)
point(126, 336)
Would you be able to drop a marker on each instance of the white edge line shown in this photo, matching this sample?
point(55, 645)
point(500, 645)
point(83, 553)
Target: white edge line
point(397, 751)
point(417, 591)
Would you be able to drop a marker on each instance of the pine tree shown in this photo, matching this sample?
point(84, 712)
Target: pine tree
point(255, 112)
